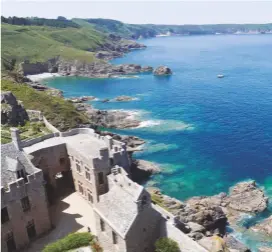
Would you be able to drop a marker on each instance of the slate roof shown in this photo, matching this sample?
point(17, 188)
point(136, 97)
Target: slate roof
point(119, 206)
point(11, 158)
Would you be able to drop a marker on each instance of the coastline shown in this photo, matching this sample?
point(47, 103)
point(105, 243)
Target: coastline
point(42, 76)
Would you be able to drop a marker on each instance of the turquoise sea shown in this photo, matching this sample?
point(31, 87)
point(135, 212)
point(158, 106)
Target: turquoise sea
point(206, 133)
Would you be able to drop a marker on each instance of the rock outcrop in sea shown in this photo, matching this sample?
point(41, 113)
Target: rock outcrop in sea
point(162, 70)
point(202, 217)
point(247, 197)
point(264, 227)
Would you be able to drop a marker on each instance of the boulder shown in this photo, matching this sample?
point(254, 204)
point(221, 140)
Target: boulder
point(247, 197)
point(195, 227)
point(234, 244)
point(162, 70)
point(264, 227)
point(12, 112)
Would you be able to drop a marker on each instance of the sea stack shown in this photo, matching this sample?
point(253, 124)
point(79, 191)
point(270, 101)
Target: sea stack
point(162, 70)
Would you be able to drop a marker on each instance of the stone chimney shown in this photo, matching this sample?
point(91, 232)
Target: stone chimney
point(15, 136)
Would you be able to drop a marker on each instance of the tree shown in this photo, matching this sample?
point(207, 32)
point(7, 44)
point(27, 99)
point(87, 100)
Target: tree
point(166, 245)
point(61, 18)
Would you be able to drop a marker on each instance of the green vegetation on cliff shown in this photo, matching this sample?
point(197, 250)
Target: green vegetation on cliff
point(40, 39)
point(36, 43)
point(59, 112)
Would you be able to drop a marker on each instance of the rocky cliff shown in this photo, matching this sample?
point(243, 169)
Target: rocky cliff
point(12, 112)
point(201, 217)
point(117, 47)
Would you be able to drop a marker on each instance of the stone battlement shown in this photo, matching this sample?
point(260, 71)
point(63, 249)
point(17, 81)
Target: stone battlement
point(21, 187)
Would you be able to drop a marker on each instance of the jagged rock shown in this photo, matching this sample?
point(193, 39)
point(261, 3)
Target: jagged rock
point(81, 99)
point(147, 69)
point(123, 98)
point(106, 100)
point(195, 227)
point(147, 166)
point(247, 197)
point(12, 112)
point(162, 70)
point(141, 170)
point(196, 235)
point(234, 244)
point(112, 118)
point(264, 227)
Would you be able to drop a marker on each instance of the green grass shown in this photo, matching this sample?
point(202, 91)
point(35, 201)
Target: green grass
point(28, 131)
point(59, 112)
point(40, 43)
point(71, 241)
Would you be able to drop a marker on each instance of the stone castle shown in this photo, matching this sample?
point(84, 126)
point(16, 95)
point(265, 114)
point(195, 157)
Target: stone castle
point(97, 168)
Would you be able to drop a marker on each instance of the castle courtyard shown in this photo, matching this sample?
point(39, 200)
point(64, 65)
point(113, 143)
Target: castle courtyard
point(71, 214)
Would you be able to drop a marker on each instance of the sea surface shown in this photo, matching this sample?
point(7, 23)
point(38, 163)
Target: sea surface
point(206, 133)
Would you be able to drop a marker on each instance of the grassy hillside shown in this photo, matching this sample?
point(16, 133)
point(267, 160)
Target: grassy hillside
point(150, 30)
point(40, 43)
point(59, 112)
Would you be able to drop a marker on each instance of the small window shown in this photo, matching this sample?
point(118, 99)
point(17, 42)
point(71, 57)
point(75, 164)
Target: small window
point(102, 225)
point(90, 197)
point(114, 238)
point(20, 174)
point(31, 230)
point(4, 215)
point(25, 204)
point(144, 200)
point(80, 188)
point(10, 242)
point(87, 175)
point(100, 178)
point(62, 161)
point(78, 168)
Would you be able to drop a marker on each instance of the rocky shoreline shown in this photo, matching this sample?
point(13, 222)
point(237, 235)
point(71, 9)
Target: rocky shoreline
point(202, 217)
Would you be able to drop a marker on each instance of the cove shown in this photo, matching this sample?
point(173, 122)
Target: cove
point(206, 133)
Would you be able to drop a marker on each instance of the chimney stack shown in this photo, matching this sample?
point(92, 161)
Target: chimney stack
point(15, 136)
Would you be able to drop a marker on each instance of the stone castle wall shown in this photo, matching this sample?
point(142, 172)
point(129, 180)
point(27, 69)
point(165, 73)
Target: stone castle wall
point(105, 238)
point(11, 198)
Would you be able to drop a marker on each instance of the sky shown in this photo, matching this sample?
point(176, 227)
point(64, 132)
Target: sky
point(143, 12)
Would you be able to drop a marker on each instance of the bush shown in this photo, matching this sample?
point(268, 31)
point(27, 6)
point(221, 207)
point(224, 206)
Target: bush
point(166, 245)
point(71, 241)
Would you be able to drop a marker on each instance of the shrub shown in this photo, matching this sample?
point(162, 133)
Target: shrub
point(166, 245)
point(71, 241)
point(96, 247)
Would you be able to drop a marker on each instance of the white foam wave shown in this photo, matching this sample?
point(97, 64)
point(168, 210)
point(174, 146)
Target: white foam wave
point(149, 123)
point(37, 77)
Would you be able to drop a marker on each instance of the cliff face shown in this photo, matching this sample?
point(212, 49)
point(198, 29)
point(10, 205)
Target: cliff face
point(117, 47)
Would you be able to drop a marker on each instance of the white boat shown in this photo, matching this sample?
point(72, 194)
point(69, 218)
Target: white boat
point(220, 76)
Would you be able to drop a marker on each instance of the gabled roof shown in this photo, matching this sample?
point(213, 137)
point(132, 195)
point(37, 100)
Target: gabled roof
point(119, 206)
point(12, 159)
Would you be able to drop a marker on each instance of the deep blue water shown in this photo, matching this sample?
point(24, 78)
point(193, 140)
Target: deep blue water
point(206, 133)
